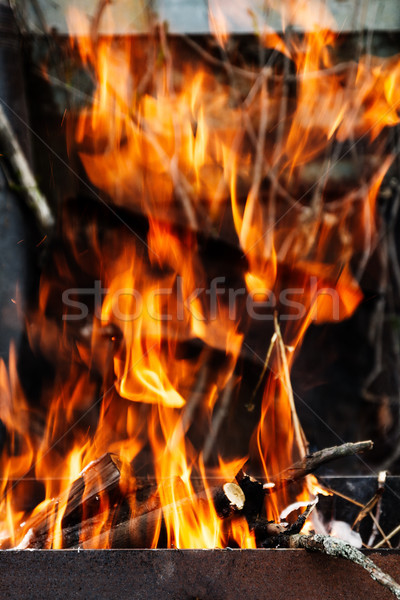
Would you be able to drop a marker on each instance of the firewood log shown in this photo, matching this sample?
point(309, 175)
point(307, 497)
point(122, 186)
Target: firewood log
point(100, 479)
point(130, 521)
point(140, 529)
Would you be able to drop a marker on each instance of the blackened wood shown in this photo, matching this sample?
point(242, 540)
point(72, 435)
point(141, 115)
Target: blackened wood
point(266, 533)
point(120, 529)
point(100, 479)
point(296, 527)
point(255, 491)
point(101, 476)
point(254, 494)
point(131, 521)
point(139, 529)
point(274, 535)
point(228, 499)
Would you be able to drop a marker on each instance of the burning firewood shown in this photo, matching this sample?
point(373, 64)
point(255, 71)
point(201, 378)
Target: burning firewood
point(122, 528)
point(268, 534)
point(116, 530)
point(228, 499)
point(134, 522)
point(220, 161)
point(273, 535)
point(138, 530)
point(132, 518)
point(101, 478)
point(254, 490)
point(254, 493)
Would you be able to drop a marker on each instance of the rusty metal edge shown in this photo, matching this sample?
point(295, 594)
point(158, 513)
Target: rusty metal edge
point(188, 575)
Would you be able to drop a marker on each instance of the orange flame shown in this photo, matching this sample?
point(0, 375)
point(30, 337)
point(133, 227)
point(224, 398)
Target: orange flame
point(195, 156)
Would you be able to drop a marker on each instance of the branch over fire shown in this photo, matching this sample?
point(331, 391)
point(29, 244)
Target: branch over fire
point(255, 490)
point(311, 462)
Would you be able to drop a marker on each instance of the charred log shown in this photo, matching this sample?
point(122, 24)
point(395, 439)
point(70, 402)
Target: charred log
point(99, 515)
point(254, 493)
point(99, 481)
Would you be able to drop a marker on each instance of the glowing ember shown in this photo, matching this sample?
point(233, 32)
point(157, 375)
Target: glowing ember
point(199, 157)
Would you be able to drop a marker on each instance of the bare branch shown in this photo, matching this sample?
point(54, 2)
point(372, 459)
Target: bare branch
point(334, 547)
point(23, 175)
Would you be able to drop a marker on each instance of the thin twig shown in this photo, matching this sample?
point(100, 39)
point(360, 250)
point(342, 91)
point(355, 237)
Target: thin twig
point(218, 420)
point(299, 435)
point(94, 30)
point(252, 75)
point(336, 493)
point(365, 511)
point(250, 405)
point(388, 537)
point(276, 157)
point(22, 173)
point(359, 504)
point(253, 195)
point(380, 530)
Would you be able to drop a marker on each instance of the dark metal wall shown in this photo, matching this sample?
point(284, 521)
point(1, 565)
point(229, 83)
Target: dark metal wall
point(188, 575)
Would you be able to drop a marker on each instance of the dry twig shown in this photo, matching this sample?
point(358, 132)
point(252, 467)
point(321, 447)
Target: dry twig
point(311, 462)
point(22, 174)
point(388, 537)
point(376, 527)
point(218, 419)
point(298, 430)
point(367, 510)
point(338, 69)
point(250, 405)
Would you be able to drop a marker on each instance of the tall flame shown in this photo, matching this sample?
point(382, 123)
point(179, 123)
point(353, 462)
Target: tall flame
point(201, 159)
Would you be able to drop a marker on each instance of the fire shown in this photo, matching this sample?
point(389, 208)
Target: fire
point(200, 159)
